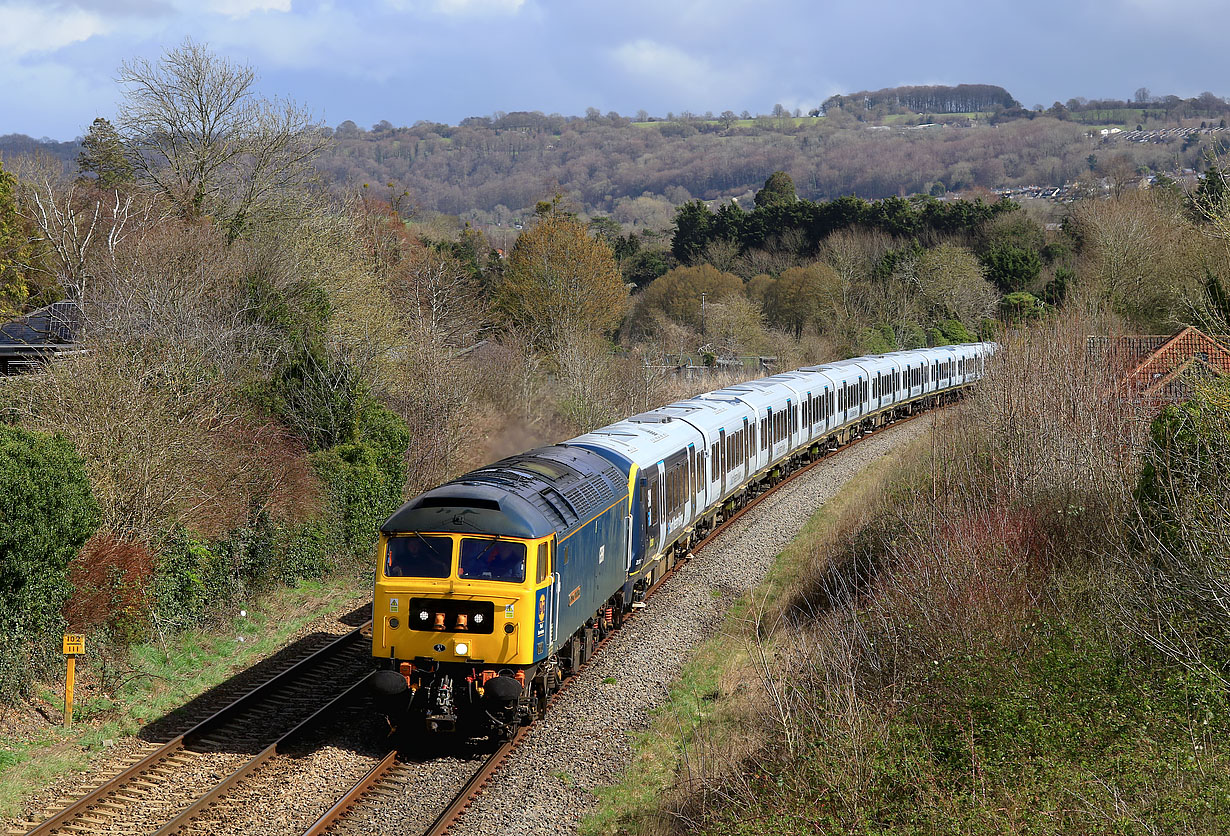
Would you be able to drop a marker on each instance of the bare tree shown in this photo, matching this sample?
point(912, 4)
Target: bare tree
point(81, 229)
point(198, 133)
point(442, 295)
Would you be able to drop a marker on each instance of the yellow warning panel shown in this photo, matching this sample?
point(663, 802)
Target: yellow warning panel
point(74, 644)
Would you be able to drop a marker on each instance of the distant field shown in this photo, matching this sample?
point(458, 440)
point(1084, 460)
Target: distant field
point(895, 118)
point(739, 123)
point(1112, 117)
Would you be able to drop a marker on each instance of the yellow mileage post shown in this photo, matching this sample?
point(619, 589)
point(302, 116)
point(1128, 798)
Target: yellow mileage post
point(74, 646)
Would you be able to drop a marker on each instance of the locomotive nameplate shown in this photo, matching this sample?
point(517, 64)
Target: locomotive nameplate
point(573, 596)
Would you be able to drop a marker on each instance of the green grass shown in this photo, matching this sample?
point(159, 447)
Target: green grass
point(161, 678)
point(695, 698)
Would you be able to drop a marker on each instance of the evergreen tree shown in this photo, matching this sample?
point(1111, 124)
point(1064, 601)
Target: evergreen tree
point(778, 190)
point(102, 154)
point(16, 251)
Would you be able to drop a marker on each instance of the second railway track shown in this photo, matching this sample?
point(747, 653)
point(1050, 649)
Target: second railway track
point(163, 782)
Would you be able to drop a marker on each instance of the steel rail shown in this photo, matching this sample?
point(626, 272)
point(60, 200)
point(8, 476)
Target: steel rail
point(194, 810)
point(179, 743)
point(353, 796)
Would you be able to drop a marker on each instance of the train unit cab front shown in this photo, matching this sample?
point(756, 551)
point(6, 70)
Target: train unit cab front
point(462, 620)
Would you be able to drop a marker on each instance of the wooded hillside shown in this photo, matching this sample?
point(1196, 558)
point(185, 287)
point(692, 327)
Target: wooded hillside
point(492, 169)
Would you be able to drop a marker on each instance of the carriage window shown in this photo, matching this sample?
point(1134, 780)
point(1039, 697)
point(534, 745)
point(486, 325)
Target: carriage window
point(542, 562)
point(418, 556)
point(492, 560)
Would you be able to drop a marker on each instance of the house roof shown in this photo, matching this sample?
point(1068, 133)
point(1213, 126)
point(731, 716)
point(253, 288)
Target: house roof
point(41, 330)
point(1161, 368)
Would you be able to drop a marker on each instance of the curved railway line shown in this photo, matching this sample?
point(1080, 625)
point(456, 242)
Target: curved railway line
point(200, 781)
point(381, 779)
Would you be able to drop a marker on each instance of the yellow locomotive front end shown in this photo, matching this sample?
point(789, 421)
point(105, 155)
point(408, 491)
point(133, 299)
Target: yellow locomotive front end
point(449, 598)
point(460, 622)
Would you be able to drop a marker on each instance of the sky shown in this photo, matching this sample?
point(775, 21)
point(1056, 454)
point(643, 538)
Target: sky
point(443, 60)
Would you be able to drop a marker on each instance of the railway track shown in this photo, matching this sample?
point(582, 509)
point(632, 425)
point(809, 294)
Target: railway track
point(155, 794)
point(389, 776)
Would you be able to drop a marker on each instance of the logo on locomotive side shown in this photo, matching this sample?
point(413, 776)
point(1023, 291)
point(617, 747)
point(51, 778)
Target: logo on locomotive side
point(542, 613)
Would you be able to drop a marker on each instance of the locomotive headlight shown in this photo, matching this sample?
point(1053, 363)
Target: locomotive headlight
point(461, 648)
point(478, 618)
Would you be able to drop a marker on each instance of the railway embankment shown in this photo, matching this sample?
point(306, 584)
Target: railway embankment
point(586, 740)
point(1017, 627)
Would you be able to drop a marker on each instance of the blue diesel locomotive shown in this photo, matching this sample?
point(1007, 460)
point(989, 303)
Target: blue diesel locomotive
point(494, 586)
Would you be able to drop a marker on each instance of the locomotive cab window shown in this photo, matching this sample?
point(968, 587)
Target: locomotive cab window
point(418, 556)
point(492, 560)
point(543, 562)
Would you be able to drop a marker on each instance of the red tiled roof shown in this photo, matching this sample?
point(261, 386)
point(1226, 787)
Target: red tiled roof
point(1161, 368)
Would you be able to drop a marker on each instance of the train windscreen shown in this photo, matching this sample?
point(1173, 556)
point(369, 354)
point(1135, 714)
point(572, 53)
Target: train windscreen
point(419, 556)
point(492, 560)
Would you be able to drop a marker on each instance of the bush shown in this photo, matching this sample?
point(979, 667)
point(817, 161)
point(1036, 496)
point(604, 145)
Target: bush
point(111, 580)
point(49, 513)
point(364, 481)
point(954, 331)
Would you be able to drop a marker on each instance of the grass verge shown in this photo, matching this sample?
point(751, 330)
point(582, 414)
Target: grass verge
point(160, 677)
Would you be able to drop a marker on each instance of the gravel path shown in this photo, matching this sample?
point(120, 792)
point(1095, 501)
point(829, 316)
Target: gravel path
point(585, 740)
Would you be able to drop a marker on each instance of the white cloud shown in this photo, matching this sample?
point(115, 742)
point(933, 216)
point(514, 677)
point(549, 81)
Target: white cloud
point(237, 9)
point(666, 67)
point(652, 60)
point(29, 29)
point(459, 8)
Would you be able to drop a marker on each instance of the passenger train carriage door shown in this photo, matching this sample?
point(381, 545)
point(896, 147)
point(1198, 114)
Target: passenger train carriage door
point(651, 478)
point(659, 506)
point(789, 424)
point(722, 462)
point(694, 479)
point(745, 449)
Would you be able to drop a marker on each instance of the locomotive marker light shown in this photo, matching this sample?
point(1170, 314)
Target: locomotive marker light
point(74, 646)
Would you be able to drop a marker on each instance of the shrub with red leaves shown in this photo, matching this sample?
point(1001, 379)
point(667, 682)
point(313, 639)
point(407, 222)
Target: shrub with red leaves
point(110, 579)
